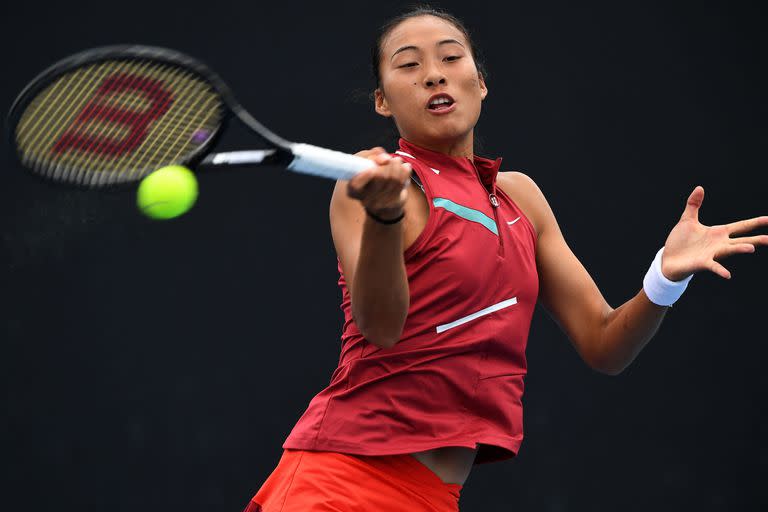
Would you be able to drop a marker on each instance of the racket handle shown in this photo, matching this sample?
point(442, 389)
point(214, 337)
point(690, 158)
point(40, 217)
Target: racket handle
point(309, 159)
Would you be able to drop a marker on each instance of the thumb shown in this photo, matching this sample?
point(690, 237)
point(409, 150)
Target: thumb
point(367, 153)
point(693, 204)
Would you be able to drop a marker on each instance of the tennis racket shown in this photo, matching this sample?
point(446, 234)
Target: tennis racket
point(114, 114)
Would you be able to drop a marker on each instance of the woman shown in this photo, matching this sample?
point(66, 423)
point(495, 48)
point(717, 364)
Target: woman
point(440, 275)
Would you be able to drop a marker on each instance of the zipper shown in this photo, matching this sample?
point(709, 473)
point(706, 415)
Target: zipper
point(494, 200)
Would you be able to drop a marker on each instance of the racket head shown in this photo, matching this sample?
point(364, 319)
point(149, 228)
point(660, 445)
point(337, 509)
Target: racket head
point(114, 114)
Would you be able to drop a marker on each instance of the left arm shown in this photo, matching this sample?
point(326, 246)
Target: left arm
point(609, 339)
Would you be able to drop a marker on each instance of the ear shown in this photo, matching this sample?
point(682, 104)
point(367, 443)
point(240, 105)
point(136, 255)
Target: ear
point(380, 103)
point(483, 88)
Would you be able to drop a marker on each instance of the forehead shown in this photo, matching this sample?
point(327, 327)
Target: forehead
point(421, 31)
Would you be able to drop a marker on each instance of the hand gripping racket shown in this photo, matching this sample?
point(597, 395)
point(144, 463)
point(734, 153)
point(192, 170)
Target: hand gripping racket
point(115, 114)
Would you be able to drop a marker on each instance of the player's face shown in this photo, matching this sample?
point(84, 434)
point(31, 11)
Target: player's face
point(440, 61)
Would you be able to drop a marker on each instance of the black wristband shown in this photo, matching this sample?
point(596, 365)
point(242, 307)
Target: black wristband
point(384, 221)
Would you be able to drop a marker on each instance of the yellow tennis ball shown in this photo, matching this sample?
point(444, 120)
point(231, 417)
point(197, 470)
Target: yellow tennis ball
point(168, 192)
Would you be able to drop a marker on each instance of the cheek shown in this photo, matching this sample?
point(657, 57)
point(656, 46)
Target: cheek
point(473, 82)
point(406, 96)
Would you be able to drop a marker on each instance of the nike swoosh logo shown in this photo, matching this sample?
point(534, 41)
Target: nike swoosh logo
point(513, 221)
point(436, 171)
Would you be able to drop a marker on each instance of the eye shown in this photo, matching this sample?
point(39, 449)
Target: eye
point(410, 64)
point(454, 57)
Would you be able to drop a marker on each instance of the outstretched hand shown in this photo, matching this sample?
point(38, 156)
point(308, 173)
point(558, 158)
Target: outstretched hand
point(692, 246)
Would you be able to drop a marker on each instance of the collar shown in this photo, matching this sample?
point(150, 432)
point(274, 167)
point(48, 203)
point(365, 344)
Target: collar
point(486, 167)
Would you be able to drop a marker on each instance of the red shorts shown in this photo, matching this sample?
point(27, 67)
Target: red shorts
point(314, 481)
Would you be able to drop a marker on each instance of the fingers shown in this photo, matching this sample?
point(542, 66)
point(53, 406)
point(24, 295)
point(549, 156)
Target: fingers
point(719, 269)
point(378, 155)
point(754, 240)
point(384, 186)
point(369, 153)
point(383, 158)
point(735, 249)
point(358, 182)
point(693, 204)
point(747, 225)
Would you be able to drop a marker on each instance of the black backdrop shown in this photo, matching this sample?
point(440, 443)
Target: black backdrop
point(160, 365)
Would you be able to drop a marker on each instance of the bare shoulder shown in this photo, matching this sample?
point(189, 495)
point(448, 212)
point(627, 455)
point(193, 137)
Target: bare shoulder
point(527, 195)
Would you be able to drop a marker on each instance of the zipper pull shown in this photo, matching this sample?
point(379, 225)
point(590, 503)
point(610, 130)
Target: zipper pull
point(491, 197)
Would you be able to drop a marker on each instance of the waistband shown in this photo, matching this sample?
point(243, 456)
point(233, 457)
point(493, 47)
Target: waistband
point(404, 470)
point(409, 465)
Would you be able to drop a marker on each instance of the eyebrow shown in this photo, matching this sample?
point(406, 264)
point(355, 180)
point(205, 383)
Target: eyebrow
point(411, 47)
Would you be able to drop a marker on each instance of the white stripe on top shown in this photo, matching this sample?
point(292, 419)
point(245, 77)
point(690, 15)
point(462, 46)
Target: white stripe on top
point(490, 309)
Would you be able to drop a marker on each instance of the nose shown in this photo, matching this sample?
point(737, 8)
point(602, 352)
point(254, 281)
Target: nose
point(434, 76)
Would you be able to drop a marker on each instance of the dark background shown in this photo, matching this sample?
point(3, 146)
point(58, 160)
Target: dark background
point(160, 365)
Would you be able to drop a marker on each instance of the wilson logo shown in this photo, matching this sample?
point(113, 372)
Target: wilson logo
point(137, 121)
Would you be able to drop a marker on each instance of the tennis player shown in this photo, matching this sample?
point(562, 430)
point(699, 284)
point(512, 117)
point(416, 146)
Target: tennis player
point(442, 259)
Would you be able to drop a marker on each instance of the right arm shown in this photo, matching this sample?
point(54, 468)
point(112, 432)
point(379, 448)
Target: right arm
point(371, 253)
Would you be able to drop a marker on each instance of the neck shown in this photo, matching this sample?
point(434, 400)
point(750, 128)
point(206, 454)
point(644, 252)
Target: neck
point(462, 147)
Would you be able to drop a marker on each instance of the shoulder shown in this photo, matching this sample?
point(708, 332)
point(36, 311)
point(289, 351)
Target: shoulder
point(524, 191)
point(515, 179)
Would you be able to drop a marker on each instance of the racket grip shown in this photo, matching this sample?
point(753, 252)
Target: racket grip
point(309, 159)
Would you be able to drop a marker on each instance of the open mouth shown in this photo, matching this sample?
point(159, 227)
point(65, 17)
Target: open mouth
point(442, 104)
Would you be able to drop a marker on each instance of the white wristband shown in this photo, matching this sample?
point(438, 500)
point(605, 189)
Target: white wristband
point(658, 288)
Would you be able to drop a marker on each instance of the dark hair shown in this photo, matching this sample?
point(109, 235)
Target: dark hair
point(423, 10)
point(386, 28)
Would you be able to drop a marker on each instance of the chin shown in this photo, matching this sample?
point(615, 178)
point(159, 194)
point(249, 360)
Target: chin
point(447, 131)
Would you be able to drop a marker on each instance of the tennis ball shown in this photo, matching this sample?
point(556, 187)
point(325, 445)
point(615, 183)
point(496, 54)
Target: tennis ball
point(168, 192)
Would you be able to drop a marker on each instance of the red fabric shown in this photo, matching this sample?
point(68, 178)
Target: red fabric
point(459, 387)
point(306, 481)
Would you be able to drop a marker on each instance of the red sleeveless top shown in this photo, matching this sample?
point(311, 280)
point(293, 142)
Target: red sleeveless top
point(455, 378)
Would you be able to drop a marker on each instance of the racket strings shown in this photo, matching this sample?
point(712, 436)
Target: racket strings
point(92, 156)
point(196, 106)
point(58, 111)
point(132, 107)
point(117, 120)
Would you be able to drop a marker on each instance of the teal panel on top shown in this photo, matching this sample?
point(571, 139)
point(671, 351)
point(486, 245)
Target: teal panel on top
point(466, 213)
